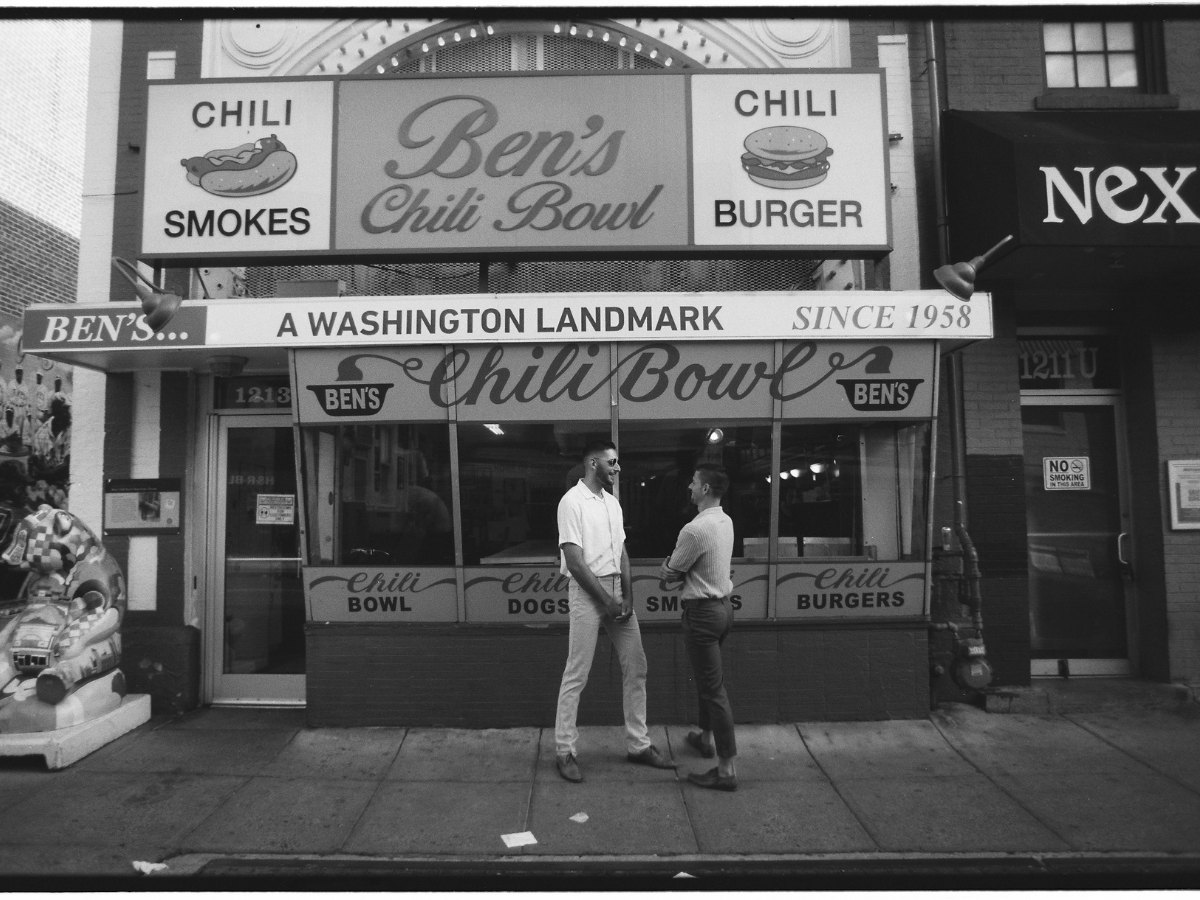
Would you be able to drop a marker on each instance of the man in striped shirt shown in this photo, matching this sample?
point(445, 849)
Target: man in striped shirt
point(701, 565)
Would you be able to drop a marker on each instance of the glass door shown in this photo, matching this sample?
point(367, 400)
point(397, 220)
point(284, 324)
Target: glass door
point(256, 651)
point(1080, 568)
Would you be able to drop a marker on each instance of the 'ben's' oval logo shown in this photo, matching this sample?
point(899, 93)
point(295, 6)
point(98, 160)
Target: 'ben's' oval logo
point(884, 394)
point(350, 399)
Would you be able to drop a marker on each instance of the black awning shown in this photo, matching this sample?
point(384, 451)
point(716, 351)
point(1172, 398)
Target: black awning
point(1090, 196)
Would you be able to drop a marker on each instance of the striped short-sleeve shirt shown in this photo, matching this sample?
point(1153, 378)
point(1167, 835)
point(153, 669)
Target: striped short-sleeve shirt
point(703, 552)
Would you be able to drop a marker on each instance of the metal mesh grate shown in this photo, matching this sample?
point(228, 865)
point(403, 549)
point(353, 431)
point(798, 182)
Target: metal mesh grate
point(493, 55)
point(402, 279)
point(564, 53)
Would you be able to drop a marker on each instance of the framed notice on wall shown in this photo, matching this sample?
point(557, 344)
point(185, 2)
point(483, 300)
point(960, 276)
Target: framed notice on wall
point(1183, 486)
point(142, 506)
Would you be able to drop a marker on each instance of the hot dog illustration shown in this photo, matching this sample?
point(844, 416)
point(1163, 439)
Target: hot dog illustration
point(243, 171)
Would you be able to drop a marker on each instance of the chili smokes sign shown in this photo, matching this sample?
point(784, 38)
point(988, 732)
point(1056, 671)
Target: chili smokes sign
point(571, 164)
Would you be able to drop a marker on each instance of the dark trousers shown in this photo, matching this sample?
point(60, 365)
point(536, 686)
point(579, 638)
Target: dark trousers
point(706, 624)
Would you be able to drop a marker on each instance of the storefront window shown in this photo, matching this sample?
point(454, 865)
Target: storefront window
point(379, 494)
point(853, 491)
point(820, 491)
point(657, 462)
point(511, 477)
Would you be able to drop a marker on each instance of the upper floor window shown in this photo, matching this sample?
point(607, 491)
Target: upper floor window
point(1092, 55)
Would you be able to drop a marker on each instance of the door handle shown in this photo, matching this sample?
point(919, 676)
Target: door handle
point(1121, 557)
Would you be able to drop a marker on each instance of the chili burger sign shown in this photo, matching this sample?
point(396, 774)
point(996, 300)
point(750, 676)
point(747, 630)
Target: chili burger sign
point(492, 165)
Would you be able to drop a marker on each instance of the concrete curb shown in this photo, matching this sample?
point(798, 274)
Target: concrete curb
point(830, 868)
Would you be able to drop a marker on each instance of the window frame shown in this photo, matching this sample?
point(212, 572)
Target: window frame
point(1148, 55)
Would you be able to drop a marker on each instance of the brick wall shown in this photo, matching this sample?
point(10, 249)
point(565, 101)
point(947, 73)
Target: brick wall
point(38, 262)
point(141, 36)
point(480, 677)
point(1176, 370)
point(994, 63)
point(864, 49)
point(175, 445)
point(1181, 37)
point(1148, 513)
point(996, 495)
point(43, 97)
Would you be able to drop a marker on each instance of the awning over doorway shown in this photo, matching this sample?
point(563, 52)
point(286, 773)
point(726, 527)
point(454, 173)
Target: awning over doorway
point(1094, 198)
point(220, 336)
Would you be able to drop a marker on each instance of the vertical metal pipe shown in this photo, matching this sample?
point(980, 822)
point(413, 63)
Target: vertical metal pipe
point(933, 76)
point(954, 374)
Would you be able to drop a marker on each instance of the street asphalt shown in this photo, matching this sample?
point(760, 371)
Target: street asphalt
point(1041, 794)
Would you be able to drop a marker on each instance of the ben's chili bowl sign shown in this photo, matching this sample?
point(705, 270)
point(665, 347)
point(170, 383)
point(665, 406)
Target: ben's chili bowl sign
point(550, 162)
point(587, 163)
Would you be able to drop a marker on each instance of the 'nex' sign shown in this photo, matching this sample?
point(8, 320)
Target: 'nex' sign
point(1147, 194)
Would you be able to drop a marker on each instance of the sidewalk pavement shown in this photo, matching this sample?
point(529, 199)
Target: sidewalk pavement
point(1108, 797)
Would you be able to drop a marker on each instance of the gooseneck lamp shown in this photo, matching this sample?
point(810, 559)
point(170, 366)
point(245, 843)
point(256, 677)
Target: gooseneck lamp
point(157, 305)
point(959, 278)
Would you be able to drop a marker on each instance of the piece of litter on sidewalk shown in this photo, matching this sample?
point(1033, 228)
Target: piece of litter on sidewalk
point(147, 868)
point(579, 817)
point(519, 839)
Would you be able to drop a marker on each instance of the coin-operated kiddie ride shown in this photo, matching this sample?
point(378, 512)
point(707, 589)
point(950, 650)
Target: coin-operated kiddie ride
point(60, 642)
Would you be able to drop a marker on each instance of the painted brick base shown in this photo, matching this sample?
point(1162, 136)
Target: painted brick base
point(164, 662)
point(496, 677)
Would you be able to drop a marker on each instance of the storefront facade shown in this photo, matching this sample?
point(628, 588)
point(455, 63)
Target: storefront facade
point(1104, 211)
point(402, 500)
point(450, 268)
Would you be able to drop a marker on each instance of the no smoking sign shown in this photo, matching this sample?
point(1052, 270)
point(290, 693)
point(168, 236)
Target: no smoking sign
point(1066, 473)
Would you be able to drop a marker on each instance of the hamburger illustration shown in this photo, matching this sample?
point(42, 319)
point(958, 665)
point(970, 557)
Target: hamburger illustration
point(786, 157)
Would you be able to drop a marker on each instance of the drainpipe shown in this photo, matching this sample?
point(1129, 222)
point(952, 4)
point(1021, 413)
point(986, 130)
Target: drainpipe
point(969, 666)
point(954, 376)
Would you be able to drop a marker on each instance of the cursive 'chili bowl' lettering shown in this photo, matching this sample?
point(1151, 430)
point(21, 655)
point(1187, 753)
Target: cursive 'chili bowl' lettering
point(453, 153)
point(646, 373)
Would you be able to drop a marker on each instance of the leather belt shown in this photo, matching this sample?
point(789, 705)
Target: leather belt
point(688, 600)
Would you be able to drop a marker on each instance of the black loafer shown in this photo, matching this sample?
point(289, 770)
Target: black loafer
point(714, 779)
point(568, 768)
point(696, 740)
point(651, 757)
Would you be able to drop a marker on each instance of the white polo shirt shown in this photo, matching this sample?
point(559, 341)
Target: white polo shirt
point(594, 523)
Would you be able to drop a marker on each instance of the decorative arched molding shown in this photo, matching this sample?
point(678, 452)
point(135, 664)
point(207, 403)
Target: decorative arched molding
point(257, 45)
point(797, 39)
point(291, 47)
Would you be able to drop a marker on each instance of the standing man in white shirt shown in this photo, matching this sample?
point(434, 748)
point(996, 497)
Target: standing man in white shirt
point(701, 562)
point(591, 538)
